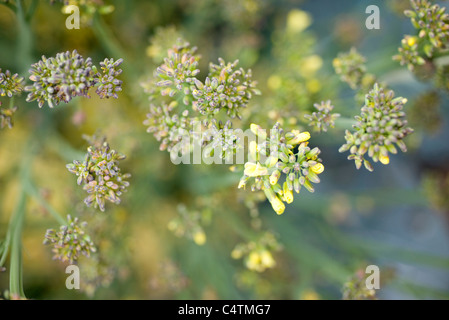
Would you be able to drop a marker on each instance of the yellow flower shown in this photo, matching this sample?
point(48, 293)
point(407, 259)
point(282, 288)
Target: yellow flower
point(336, 62)
point(318, 168)
point(258, 131)
point(288, 196)
point(310, 65)
point(411, 41)
point(384, 159)
point(254, 170)
point(274, 82)
point(277, 204)
point(313, 85)
point(298, 20)
point(199, 237)
point(267, 259)
point(253, 261)
point(298, 137)
point(236, 254)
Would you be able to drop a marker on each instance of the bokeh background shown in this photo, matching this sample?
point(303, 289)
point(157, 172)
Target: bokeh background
point(395, 217)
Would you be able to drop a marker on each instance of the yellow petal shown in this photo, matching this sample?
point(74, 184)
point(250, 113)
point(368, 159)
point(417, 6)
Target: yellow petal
point(318, 168)
point(384, 159)
point(299, 137)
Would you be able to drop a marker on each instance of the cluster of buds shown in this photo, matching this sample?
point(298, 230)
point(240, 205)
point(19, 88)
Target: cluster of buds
point(350, 67)
point(10, 84)
point(323, 118)
point(352, 70)
point(189, 224)
point(70, 242)
point(219, 140)
point(257, 255)
point(408, 53)
point(6, 116)
point(379, 127)
point(100, 175)
point(108, 84)
point(224, 88)
point(61, 78)
point(167, 125)
point(284, 153)
point(178, 72)
point(432, 23)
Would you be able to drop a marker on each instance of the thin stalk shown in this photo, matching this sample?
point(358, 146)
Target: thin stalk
point(31, 10)
point(111, 44)
point(344, 123)
point(14, 235)
point(24, 44)
point(31, 190)
point(16, 272)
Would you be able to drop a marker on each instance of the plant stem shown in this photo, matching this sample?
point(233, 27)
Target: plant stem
point(16, 274)
point(14, 235)
point(24, 44)
point(33, 192)
point(31, 10)
point(111, 44)
point(344, 123)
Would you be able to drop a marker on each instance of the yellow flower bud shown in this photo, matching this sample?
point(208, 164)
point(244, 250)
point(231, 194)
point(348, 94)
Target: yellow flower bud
point(298, 20)
point(253, 261)
point(199, 237)
point(278, 205)
point(236, 254)
point(318, 168)
point(267, 259)
point(411, 41)
point(384, 159)
point(254, 170)
point(288, 196)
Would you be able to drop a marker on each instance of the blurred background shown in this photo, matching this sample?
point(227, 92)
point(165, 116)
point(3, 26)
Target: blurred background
point(179, 231)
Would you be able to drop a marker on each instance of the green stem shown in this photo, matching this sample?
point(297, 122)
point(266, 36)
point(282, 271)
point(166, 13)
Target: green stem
point(31, 10)
point(11, 102)
point(24, 44)
point(32, 191)
point(111, 44)
point(344, 123)
point(14, 234)
point(16, 274)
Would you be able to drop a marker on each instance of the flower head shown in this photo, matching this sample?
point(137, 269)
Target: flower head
point(6, 117)
point(68, 75)
point(225, 88)
point(323, 118)
point(100, 175)
point(282, 153)
point(380, 126)
point(10, 84)
point(70, 242)
point(109, 85)
point(351, 67)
